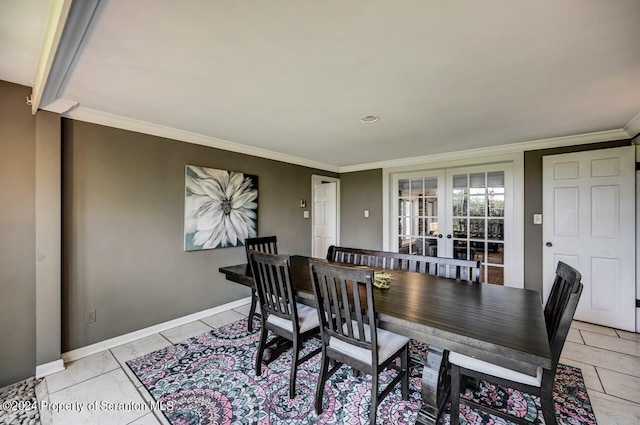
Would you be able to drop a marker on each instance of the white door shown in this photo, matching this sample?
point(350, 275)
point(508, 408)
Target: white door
point(480, 220)
point(419, 213)
point(325, 217)
point(589, 223)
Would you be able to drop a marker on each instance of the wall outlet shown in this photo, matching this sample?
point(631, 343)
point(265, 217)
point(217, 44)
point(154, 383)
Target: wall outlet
point(366, 213)
point(90, 317)
point(305, 214)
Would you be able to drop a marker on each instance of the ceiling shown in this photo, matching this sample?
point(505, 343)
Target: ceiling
point(294, 77)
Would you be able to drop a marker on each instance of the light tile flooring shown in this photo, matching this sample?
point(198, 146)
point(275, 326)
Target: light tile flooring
point(609, 359)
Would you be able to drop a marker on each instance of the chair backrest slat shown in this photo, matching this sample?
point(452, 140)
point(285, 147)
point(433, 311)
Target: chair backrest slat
point(268, 244)
point(561, 307)
point(272, 275)
point(451, 268)
point(345, 300)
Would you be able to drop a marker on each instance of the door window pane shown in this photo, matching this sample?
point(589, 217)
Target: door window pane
point(496, 204)
point(478, 251)
point(431, 186)
point(495, 191)
point(424, 227)
point(495, 254)
point(415, 226)
point(431, 207)
point(477, 184)
point(460, 228)
point(495, 275)
point(476, 206)
point(461, 250)
point(431, 247)
point(404, 245)
point(476, 228)
point(459, 206)
point(496, 229)
point(432, 226)
point(417, 187)
point(460, 181)
point(403, 188)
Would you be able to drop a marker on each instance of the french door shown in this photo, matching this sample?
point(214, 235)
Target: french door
point(464, 213)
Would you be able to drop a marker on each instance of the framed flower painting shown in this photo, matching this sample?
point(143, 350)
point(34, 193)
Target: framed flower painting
point(220, 208)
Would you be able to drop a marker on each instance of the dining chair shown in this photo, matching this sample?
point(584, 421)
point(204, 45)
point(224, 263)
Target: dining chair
point(451, 268)
point(349, 333)
point(362, 257)
point(267, 244)
point(280, 313)
point(558, 314)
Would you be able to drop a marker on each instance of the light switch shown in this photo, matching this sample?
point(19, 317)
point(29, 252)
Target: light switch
point(366, 213)
point(305, 214)
point(537, 219)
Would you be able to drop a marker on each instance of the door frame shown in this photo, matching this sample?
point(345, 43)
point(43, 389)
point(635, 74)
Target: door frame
point(316, 179)
point(516, 279)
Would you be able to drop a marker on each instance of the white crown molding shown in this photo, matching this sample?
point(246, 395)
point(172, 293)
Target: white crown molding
point(60, 106)
point(117, 121)
point(556, 142)
point(79, 353)
point(49, 368)
point(633, 126)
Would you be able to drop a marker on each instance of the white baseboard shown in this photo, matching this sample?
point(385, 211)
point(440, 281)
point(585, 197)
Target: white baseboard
point(79, 353)
point(49, 368)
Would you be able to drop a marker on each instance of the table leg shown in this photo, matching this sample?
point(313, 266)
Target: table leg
point(436, 384)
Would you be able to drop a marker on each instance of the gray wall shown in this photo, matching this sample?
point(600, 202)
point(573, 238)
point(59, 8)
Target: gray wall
point(123, 203)
point(359, 191)
point(533, 205)
point(17, 235)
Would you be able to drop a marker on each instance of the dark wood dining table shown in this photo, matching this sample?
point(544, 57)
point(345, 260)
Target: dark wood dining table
point(494, 323)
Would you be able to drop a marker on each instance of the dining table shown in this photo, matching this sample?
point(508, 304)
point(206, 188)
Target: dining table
point(494, 323)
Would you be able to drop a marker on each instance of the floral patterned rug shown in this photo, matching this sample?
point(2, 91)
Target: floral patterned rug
point(210, 380)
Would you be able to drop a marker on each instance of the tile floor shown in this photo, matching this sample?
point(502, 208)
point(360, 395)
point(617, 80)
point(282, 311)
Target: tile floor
point(609, 359)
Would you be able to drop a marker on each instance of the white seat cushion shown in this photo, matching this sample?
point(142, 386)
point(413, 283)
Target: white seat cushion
point(388, 344)
point(307, 319)
point(494, 370)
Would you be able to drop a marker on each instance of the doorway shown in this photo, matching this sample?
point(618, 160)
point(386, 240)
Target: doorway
point(325, 217)
point(462, 212)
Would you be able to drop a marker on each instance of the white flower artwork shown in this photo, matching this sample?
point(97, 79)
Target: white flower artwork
point(220, 208)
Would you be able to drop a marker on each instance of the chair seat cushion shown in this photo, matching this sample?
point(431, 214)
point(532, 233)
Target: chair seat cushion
point(307, 319)
point(494, 370)
point(388, 344)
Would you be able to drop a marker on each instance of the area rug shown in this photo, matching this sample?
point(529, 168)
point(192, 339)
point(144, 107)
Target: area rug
point(210, 380)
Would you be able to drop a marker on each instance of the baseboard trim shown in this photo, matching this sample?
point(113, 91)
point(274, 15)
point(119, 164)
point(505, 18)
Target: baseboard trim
point(49, 368)
point(107, 344)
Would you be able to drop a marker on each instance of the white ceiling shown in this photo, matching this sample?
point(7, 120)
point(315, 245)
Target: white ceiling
point(294, 77)
point(22, 26)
